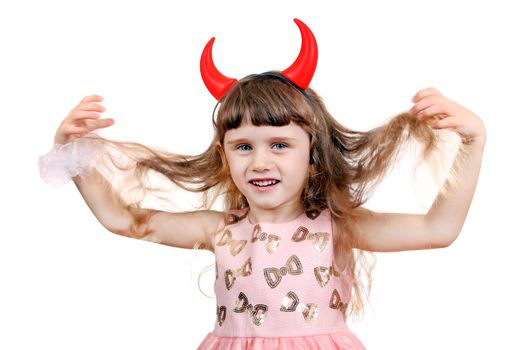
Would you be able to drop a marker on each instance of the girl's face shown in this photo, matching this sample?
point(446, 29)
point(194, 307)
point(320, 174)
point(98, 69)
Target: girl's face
point(269, 164)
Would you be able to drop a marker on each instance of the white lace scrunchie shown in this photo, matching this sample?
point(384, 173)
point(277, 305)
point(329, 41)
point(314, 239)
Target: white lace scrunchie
point(63, 162)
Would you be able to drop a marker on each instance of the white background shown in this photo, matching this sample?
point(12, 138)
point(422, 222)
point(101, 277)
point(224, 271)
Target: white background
point(67, 283)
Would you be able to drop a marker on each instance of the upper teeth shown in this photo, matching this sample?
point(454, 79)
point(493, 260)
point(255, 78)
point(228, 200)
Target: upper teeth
point(265, 183)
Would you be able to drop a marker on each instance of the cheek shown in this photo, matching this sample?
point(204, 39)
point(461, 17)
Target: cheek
point(236, 171)
point(299, 168)
point(304, 160)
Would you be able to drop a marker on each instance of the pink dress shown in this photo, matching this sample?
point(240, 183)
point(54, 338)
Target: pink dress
point(277, 287)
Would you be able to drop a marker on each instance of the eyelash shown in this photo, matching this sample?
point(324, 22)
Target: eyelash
point(239, 147)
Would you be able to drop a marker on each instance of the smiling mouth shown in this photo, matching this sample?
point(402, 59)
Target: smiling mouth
point(264, 183)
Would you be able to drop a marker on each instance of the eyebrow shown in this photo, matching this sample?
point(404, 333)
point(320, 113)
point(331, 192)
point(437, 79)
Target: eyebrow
point(273, 139)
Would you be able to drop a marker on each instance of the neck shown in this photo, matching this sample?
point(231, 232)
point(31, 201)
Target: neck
point(277, 215)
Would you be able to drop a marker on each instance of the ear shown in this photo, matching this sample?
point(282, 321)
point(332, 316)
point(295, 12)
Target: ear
point(219, 149)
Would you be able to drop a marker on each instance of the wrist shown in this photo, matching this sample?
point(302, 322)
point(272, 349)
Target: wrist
point(66, 161)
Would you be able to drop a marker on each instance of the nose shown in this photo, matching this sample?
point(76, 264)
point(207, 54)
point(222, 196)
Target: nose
point(261, 160)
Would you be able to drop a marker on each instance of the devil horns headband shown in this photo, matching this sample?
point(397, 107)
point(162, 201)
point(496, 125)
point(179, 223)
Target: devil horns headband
point(300, 72)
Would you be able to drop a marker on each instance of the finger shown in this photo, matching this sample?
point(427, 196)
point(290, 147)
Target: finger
point(450, 122)
point(98, 124)
point(433, 110)
point(92, 98)
point(91, 106)
point(431, 91)
point(78, 115)
point(71, 130)
point(423, 104)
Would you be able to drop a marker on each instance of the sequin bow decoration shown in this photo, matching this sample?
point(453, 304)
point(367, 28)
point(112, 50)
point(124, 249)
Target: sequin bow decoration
point(290, 303)
point(231, 275)
point(272, 241)
point(319, 239)
point(257, 312)
point(235, 245)
point(336, 303)
point(323, 273)
point(221, 314)
point(274, 275)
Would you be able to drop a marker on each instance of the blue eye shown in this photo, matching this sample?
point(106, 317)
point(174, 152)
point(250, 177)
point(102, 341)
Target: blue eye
point(244, 147)
point(280, 145)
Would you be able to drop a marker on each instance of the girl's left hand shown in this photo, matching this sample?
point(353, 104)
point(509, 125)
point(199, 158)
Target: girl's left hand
point(431, 106)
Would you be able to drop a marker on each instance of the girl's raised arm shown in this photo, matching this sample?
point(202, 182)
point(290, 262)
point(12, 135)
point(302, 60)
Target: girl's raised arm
point(175, 229)
point(182, 230)
point(387, 232)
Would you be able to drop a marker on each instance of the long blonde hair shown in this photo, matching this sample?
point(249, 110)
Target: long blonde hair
point(347, 164)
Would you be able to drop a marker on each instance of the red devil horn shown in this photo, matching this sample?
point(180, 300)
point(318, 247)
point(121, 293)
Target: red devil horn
point(216, 83)
point(302, 70)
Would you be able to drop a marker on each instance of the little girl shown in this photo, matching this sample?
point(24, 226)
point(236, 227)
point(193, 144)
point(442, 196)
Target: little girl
point(293, 240)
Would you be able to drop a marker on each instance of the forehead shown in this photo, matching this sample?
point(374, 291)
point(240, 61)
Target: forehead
point(249, 131)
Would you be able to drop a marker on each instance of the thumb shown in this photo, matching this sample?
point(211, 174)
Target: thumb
point(108, 121)
point(99, 123)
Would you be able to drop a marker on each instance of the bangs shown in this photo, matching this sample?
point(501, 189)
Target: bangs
point(263, 101)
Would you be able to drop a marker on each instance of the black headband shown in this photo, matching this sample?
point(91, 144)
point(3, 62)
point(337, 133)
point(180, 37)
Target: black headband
point(280, 77)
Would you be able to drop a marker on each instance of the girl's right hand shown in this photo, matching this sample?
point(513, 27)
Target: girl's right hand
point(82, 119)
